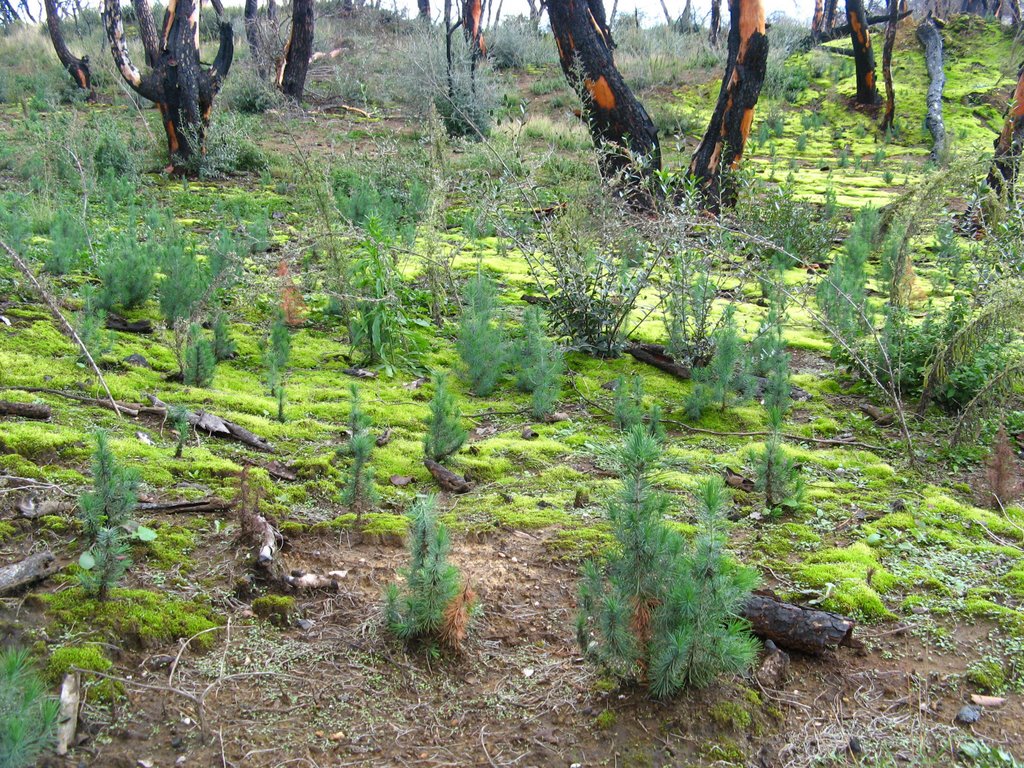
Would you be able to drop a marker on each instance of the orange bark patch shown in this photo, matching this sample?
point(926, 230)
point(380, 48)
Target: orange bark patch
point(601, 93)
point(745, 122)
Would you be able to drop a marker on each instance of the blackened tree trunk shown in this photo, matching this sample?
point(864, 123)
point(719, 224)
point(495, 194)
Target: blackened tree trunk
point(254, 36)
point(1008, 145)
point(298, 50)
point(623, 133)
point(817, 20)
point(147, 31)
point(863, 55)
point(77, 68)
point(721, 149)
point(685, 24)
point(424, 8)
point(890, 40)
point(716, 21)
point(931, 38)
point(472, 28)
point(181, 89)
point(830, 15)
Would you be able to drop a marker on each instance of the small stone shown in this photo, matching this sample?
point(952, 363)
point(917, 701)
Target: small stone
point(180, 761)
point(968, 715)
point(176, 742)
point(528, 672)
point(855, 747)
point(159, 662)
point(529, 433)
point(138, 360)
point(144, 763)
point(304, 624)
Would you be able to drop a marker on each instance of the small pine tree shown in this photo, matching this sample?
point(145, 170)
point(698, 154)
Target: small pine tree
point(778, 476)
point(773, 363)
point(628, 409)
point(540, 366)
point(105, 563)
point(727, 376)
point(91, 326)
point(445, 434)
point(359, 492)
point(481, 342)
point(224, 347)
point(842, 294)
point(278, 352)
point(658, 611)
point(28, 716)
point(434, 604)
point(199, 362)
point(178, 416)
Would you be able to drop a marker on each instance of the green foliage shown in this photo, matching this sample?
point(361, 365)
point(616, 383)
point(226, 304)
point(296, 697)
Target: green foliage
point(113, 156)
point(727, 376)
point(91, 326)
point(227, 149)
point(105, 563)
point(687, 303)
point(660, 608)
point(200, 362)
point(359, 492)
point(842, 293)
point(178, 416)
point(433, 587)
point(466, 107)
point(481, 341)
point(540, 364)
point(28, 716)
point(126, 274)
point(771, 360)
point(629, 410)
point(445, 434)
point(69, 241)
point(778, 476)
point(278, 352)
point(224, 347)
point(517, 44)
point(249, 94)
point(394, 197)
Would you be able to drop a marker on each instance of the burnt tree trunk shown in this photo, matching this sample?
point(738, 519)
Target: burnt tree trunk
point(38, 411)
point(931, 38)
point(1008, 144)
point(472, 29)
point(863, 55)
point(77, 68)
point(254, 37)
point(622, 131)
point(829, 20)
point(685, 24)
point(424, 8)
point(817, 19)
point(716, 21)
point(890, 41)
point(298, 50)
point(181, 89)
point(147, 31)
point(721, 149)
point(795, 627)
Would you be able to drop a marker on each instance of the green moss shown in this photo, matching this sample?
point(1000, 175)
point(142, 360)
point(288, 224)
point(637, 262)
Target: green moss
point(1009, 619)
point(786, 538)
point(89, 658)
point(987, 674)
point(725, 752)
point(389, 528)
point(581, 543)
point(605, 721)
point(171, 547)
point(731, 714)
point(7, 530)
point(849, 570)
point(139, 616)
point(277, 609)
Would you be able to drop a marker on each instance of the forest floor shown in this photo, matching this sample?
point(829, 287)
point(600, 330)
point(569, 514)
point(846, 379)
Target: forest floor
point(183, 666)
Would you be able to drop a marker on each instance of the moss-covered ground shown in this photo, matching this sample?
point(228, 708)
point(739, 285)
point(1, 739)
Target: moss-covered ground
point(935, 581)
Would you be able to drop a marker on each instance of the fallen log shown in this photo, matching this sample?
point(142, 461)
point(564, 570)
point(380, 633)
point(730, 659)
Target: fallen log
point(931, 39)
point(126, 409)
point(448, 480)
point(32, 569)
point(655, 354)
point(118, 323)
point(39, 411)
point(220, 427)
point(796, 627)
point(302, 581)
point(197, 507)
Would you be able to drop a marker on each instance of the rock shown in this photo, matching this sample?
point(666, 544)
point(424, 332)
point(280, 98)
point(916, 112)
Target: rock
point(528, 433)
point(160, 661)
point(138, 360)
point(775, 668)
point(401, 480)
point(854, 746)
point(968, 715)
point(304, 624)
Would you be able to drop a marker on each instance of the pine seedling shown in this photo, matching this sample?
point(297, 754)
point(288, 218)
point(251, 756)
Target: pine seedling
point(445, 434)
point(842, 294)
point(481, 342)
point(224, 347)
point(114, 495)
point(28, 716)
point(278, 352)
point(91, 326)
point(657, 611)
point(178, 416)
point(778, 476)
point(773, 363)
point(199, 362)
point(541, 363)
point(727, 376)
point(434, 604)
point(628, 409)
point(105, 563)
point(359, 492)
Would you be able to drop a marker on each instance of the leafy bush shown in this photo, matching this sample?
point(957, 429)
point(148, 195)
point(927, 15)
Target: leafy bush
point(379, 189)
point(246, 92)
point(28, 717)
point(434, 604)
point(114, 155)
point(481, 341)
point(660, 611)
point(229, 149)
point(445, 434)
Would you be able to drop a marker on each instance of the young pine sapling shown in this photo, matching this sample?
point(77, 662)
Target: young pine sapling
point(481, 342)
point(278, 351)
point(28, 716)
point(199, 361)
point(445, 434)
point(778, 475)
point(224, 347)
point(727, 376)
point(629, 407)
point(540, 363)
point(359, 492)
point(178, 416)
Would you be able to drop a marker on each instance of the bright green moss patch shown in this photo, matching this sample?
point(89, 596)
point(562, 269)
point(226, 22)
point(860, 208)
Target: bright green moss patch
point(581, 543)
point(7, 530)
point(732, 715)
point(35, 441)
point(139, 616)
point(988, 675)
point(277, 609)
point(1009, 619)
point(853, 579)
point(171, 547)
point(88, 657)
point(389, 527)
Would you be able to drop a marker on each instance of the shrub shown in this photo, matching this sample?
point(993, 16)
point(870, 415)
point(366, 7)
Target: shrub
point(727, 376)
point(114, 156)
point(278, 352)
point(434, 604)
point(28, 717)
point(659, 610)
point(517, 44)
point(481, 341)
point(69, 240)
point(540, 365)
point(359, 492)
point(200, 362)
point(445, 434)
point(229, 149)
point(224, 347)
point(178, 416)
point(842, 293)
point(246, 92)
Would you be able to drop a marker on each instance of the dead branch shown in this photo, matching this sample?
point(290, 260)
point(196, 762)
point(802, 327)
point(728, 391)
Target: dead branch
point(32, 569)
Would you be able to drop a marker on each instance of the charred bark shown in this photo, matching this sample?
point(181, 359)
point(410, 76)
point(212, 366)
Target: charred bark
point(716, 21)
point(424, 9)
point(817, 20)
point(254, 37)
point(472, 28)
point(890, 41)
point(622, 131)
point(147, 31)
point(298, 50)
point(797, 628)
point(448, 480)
point(1003, 173)
point(863, 55)
point(78, 68)
point(182, 90)
point(931, 38)
point(829, 20)
point(721, 149)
